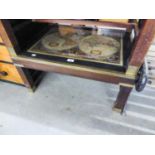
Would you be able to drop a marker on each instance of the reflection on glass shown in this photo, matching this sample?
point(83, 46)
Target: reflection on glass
point(88, 44)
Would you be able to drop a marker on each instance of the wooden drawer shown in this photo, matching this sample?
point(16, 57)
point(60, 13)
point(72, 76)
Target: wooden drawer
point(4, 54)
point(9, 72)
point(1, 41)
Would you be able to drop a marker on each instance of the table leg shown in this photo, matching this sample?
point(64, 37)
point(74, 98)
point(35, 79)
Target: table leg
point(122, 97)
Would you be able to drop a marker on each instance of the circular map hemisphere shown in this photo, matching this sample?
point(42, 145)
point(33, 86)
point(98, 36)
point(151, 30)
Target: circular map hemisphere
point(55, 42)
point(99, 46)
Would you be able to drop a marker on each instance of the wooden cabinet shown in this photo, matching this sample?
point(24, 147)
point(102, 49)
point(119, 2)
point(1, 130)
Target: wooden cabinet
point(9, 72)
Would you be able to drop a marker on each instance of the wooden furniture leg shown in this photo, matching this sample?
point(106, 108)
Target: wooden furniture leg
point(122, 97)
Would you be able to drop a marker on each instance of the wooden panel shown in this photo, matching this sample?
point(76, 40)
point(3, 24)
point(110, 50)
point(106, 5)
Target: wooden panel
point(90, 73)
point(1, 41)
point(12, 73)
point(4, 54)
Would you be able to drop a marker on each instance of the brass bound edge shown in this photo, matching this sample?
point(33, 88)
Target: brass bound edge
point(132, 71)
point(116, 109)
point(126, 85)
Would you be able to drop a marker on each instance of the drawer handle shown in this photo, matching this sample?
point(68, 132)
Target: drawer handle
point(3, 73)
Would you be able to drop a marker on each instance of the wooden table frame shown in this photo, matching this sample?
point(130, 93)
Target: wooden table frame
point(125, 80)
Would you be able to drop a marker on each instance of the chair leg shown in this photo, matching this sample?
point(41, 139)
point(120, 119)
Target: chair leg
point(122, 98)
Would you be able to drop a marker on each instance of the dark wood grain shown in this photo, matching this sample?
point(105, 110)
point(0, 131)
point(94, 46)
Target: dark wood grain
point(142, 43)
point(122, 98)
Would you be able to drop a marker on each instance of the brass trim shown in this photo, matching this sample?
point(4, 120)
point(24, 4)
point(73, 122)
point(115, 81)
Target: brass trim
point(126, 85)
point(116, 109)
point(132, 71)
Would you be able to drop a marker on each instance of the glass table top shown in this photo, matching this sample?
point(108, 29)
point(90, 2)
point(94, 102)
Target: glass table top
point(87, 44)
